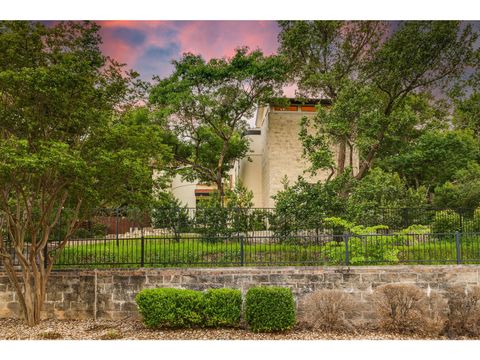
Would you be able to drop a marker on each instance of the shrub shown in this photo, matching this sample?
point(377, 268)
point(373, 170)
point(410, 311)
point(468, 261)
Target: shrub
point(170, 307)
point(446, 221)
point(329, 310)
point(270, 309)
point(463, 311)
point(223, 307)
point(405, 308)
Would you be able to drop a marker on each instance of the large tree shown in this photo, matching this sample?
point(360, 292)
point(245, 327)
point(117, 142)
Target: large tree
point(433, 158)
point(207, 104)
point(66, 146)
point(324, 57)
point(375, 104)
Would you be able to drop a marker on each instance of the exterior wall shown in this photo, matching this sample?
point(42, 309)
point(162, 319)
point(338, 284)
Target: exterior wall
point(275, 153)
point(184, 191)
point(110, 294)
point(250, 172)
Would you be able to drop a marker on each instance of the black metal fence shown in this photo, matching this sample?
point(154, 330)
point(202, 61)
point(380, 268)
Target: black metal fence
point(180, 237)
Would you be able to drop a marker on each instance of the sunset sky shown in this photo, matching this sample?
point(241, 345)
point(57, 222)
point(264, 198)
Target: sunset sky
point(149, 46)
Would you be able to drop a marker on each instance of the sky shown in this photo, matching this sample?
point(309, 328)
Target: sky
point(149, 46)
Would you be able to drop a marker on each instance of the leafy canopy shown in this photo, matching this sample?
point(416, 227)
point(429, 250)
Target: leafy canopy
point(206, 104)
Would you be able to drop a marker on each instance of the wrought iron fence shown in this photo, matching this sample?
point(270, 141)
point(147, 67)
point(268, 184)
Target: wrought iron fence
point(181, 237)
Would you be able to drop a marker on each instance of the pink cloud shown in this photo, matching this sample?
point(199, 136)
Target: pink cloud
point(220, 38)
point(207, 38)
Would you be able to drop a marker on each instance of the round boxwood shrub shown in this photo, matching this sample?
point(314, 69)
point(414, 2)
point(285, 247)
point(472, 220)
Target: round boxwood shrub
point(270, 309)
point(171, 307)
point(223, 307)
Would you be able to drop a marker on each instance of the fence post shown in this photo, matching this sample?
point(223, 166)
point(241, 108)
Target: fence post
point(142, 249)
point(405, 217)
point(347, 260)
point(242, 251)
point(457, 246)
point(117, 213)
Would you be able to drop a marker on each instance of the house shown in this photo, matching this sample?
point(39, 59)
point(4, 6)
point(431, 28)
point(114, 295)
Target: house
point(275, 153)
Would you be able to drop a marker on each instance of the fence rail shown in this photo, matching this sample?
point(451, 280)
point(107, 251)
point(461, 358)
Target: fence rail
point(260, 237)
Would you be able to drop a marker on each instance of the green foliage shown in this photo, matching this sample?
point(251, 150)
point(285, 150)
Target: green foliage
point(216, 222)
point(467, 113)
point(170, 214)
point(270, 309)
point(446, 221)
point(463, 191)
point(211, 219)
point(378, 190)
point(206, 104)
point(415, 229)
point(379, 83)
point(223, 307)
point(435, 158)
point(174, 308)
point(304, 205)
point(364, 250)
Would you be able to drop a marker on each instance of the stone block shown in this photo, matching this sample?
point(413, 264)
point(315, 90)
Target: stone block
point(351, 277)
point(138, 280)
point(154, 280)
point(314, 278)
point(226, 279)
point(260, 278)
point(54, 295)
point(130, 306)
point(389, 277)
point(368, 278)
point(189, 279)
point(408, 277)
point(333, 277)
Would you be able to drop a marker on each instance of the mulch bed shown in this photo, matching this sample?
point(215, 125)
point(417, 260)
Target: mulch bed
point(133, 329)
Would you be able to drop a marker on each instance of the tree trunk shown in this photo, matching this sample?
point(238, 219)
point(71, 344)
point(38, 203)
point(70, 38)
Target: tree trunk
point(221, 188)
point(342, 154)
point(29, 288)
point(219, 177)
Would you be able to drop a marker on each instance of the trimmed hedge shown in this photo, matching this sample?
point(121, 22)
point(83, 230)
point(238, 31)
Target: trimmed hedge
point(171, 307)
point(223, 307)
point(270, 309)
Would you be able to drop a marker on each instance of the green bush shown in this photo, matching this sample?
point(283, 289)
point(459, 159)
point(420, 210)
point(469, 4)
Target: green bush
point(270, 309)
point(446, 221)
point(171, 307)
point(223, 307)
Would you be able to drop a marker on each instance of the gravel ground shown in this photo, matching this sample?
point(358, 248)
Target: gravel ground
point(130, 329)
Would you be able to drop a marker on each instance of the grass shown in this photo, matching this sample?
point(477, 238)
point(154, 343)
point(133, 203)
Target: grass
point(195, 252)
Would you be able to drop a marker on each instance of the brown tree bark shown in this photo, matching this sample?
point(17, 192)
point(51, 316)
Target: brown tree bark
point(342, 154)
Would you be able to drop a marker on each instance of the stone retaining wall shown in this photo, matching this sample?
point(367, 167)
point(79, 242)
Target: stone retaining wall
point(110, 294)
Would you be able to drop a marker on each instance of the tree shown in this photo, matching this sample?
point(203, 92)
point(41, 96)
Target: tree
point(207, 103)
point(466, 99)
point(461, 192)
point(67, 146)
point(374, 103)
point(433, 158)
point(324, 58)
point(303, 205)
point(379, 190)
